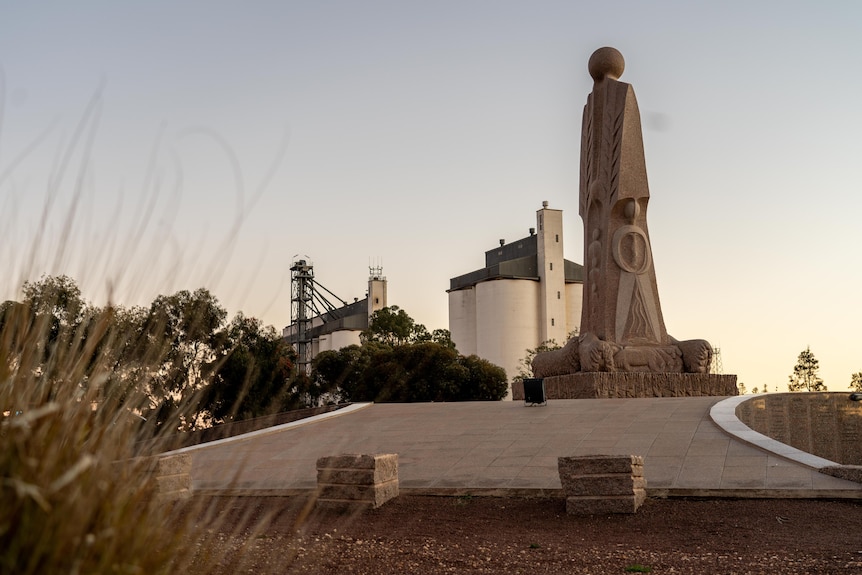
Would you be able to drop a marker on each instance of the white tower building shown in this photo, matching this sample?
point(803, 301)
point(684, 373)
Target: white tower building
point(526, 294)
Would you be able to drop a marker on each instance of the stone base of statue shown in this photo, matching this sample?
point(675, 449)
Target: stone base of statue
point(627, 384)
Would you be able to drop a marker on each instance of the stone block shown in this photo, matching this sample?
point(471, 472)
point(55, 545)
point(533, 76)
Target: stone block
point(596, 484)
point(599, 485)
point(169, 476)
point(356, 481)
point(165, 496)
point(377, 494)
point(384, 465)
point(174, 464)
point(596, 505)
point(358, 492)
point(346, 476)
point(172, 483)
point(357, 469)
point(349, 461)
point(601, 465)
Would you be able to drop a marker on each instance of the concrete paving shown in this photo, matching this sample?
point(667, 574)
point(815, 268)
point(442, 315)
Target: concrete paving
point(497, 447)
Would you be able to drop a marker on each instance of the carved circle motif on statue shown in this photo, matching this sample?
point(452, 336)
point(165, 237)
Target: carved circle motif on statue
point(606, 63)
point(631, 249)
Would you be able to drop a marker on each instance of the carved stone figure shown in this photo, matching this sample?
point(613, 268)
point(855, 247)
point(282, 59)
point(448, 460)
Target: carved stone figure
point(558, 361)
point(622, 327)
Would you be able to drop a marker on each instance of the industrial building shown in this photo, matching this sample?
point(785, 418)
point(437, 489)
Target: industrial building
point(526, 294)
point(317, 325)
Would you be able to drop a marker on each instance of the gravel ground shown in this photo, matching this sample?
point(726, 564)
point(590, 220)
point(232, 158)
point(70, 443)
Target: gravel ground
point(423, 534)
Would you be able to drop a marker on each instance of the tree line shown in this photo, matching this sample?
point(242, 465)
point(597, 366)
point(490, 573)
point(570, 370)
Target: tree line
point(399, 360)
point(194, 368)
point(180, 353)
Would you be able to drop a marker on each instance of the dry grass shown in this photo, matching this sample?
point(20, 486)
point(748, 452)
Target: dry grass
point(73, 497)
point(73, 500)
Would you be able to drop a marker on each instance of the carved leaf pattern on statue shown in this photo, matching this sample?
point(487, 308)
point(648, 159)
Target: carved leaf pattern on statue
point(613, 126)
point(586, 158)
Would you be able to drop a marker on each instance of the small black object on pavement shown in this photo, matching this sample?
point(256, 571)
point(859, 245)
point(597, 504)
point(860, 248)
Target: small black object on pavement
point(534, 391)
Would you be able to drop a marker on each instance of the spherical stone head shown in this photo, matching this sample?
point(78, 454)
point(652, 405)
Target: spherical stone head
point(606, 62)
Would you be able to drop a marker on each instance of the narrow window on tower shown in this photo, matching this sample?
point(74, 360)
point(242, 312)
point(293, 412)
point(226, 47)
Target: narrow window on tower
point(557, 236)
point(552, 322)
point(558, 295)
point(552, 266)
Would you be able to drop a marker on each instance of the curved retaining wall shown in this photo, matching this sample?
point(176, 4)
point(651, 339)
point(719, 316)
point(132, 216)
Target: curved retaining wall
point(828, 425)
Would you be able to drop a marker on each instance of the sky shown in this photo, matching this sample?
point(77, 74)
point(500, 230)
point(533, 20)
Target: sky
point(148, 147)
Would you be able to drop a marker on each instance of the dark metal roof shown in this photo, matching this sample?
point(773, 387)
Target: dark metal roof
point(521, 268)
point(515, 260)
point(512, 251)
point(352, 316)
point(574, 272)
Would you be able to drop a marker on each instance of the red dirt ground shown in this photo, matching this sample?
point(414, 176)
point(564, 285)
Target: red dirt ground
point(424, 534)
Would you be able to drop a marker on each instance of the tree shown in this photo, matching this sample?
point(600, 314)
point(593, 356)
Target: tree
point(16, 320)
point(55, 311)
point(443, 337)
point(856, 381)
point(114, 345)
point(392, 326)
point(343, 369)
point(486, 382)
point(423, 371)
point(182, 332)
point(254, 377)
point(58, 297)
point(400, 361)
point(804, 377)
point(174, 362)
point(63, 337)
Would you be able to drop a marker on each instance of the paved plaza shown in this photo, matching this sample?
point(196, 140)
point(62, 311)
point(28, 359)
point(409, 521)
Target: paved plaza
point(506, 446)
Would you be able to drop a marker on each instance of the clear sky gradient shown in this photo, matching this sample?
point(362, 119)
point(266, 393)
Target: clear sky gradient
point(147, 147)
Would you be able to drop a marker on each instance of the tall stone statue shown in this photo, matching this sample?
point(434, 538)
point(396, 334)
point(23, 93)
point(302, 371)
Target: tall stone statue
point(622, 327)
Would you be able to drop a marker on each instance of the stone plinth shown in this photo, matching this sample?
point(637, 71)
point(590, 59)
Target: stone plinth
point(628, 384)
point(357, 481)
point(173, 477)
point(600, 484)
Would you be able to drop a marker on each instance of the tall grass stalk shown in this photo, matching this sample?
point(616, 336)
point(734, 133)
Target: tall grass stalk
point(74, 498)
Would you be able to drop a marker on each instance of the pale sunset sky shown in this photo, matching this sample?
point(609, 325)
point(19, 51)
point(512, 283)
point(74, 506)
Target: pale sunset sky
point(147, 147)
